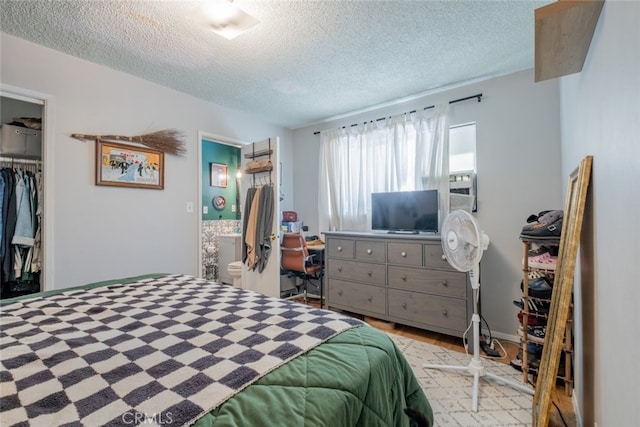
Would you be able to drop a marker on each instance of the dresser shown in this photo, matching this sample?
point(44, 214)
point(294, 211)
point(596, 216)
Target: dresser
point(229, 250)
point(397, 277)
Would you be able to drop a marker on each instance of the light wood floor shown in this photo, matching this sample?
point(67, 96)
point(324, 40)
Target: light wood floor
point(560, 416)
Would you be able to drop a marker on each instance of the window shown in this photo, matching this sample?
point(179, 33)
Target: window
point(402, 153)
point(462, 167)
point(462, 148)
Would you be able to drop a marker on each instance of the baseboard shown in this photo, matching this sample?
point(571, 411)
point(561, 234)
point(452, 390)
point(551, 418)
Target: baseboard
point(501, 336)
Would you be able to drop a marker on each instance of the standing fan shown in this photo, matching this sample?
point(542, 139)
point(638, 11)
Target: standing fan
point(463, 243)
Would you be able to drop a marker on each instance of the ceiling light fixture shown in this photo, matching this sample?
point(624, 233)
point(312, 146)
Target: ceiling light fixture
point(226, 19)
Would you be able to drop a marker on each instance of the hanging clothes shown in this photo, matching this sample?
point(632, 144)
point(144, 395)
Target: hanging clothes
point(265, 225)
point(20, 227)
point(251, 192)
point(36, 259)
point(25, 231)
point(9, 215)
point(251, 238)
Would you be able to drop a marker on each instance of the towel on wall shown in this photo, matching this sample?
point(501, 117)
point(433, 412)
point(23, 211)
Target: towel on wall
point(251, 192)
point(251, 240)
point(265, 225)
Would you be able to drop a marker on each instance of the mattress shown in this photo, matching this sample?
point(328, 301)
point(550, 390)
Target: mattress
point(354, 377)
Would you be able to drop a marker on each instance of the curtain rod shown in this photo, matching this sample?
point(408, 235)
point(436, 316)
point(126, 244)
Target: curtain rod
point(476, 96)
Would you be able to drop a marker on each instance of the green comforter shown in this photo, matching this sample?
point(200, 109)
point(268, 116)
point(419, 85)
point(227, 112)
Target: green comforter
point(357, 378)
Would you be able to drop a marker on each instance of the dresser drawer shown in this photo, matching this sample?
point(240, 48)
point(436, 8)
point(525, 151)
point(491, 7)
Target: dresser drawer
point(357, 270)
point(340, 248)
point(404, 253)
point(367, 250)
point(437, 282)
point(357, 296)
point(444, 312)
point(434, 258)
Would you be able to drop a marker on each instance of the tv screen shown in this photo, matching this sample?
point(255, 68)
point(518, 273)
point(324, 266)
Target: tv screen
point(405, 211)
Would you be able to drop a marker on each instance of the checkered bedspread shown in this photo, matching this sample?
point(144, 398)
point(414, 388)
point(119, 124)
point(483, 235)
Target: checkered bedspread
point(160, 351)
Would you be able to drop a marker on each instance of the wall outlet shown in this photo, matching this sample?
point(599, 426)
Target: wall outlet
point(189, 207)
point(233, 208)
point(205, 210)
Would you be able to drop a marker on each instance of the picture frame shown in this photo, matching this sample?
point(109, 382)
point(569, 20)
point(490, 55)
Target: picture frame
point(218, 175)
point(123, 165)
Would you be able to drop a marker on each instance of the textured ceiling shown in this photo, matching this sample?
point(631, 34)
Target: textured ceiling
point(306, 61)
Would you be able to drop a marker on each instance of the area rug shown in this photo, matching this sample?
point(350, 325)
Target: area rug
point(450, 392)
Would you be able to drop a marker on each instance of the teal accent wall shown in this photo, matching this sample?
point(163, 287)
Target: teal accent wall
point(215, 152)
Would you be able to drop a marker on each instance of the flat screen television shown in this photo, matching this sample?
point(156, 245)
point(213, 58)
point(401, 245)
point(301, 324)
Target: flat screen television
point(405, 211)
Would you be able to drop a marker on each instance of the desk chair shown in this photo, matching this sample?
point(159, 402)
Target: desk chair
point(295, 261)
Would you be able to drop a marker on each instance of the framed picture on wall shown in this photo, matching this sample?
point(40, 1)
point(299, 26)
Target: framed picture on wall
point(218, 174)
point(122, 165)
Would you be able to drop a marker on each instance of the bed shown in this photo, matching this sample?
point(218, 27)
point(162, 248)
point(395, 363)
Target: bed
point(178, 350)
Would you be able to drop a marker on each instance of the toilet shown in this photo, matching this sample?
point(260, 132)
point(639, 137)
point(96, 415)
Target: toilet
point(235, 271)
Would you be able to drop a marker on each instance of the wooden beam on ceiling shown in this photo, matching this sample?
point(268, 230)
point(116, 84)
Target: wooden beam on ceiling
point(563, 32)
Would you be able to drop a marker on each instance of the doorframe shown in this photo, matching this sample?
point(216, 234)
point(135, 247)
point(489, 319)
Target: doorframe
point(221, 139)
point(48, 136)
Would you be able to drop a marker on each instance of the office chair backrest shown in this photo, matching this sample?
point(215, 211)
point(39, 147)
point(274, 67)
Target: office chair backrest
point(294, 252)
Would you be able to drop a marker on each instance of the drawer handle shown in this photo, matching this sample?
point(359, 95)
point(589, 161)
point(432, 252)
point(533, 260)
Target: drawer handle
point(444, 257)
point(404, 305)
point(339, 248)
point(404, 254)
point(370, 299)
point(444, 283)
point(369, 251)
point(404, 278)
point(369, 273)
point(340, 293)
point(339, 268)
point(444, 313)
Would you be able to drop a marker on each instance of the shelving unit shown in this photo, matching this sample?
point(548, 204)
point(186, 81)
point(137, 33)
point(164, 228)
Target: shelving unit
point(565, 376)
point(264, 166)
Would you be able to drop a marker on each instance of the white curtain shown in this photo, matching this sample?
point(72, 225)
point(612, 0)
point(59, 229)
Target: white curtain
point(408, 152)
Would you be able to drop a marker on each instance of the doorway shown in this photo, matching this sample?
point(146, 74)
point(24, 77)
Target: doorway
point(219, 192)
point(26, 125)
point(265, 280)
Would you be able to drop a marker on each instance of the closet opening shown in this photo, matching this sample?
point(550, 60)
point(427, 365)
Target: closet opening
point(21, 196)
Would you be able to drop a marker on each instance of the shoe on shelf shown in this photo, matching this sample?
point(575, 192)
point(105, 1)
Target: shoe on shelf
point(537, 331)
point(534, 349)
point(536, 274)
point(541, 258)
point(539, 288)
point(535, 307)
point(551, 231)
point(537, 249)
point(534, 333)
point(544, 263)
point(533, 358)
point(539, 217)
point(544, 218)
point(532, 319)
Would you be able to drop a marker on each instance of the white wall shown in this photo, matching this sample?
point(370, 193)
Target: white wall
point(100, 233)
point(518, 149)
point(601, 117)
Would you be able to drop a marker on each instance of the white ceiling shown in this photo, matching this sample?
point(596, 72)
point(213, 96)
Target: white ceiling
point(305, 62)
